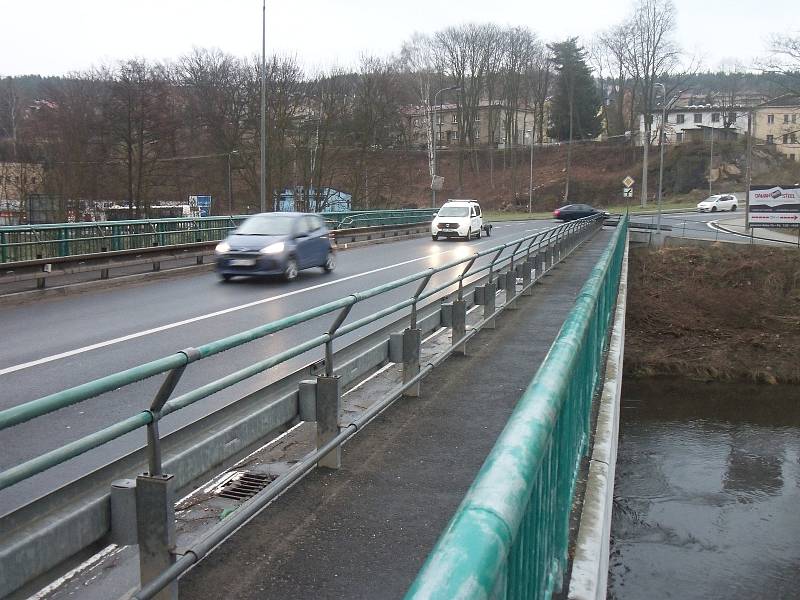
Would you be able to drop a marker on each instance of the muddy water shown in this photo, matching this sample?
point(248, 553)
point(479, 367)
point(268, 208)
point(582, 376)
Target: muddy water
point(707, 498)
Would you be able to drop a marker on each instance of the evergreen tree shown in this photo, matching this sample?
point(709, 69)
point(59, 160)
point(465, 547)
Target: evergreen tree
point(574, 86)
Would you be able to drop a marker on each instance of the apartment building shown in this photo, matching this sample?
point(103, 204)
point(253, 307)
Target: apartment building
point(447, 128)
point(778, 122)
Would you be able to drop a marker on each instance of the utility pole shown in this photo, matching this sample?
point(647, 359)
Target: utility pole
point(435, 169)
point(263, 105)
point(749, 171)
point(569, 144)
point(661, 140)
point(646, 144)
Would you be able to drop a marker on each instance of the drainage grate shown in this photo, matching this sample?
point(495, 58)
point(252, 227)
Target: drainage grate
point(245, 486)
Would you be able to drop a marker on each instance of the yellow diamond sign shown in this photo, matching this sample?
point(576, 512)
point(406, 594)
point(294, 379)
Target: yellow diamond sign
point(628, 181)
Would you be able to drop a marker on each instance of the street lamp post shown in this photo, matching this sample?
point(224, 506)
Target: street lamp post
point(433, 191)
point(530, 180)
point(263, 188)
point(662, 135)
point(230, 185)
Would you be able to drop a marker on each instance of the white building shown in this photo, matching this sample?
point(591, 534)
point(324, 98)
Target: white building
point(686, 122)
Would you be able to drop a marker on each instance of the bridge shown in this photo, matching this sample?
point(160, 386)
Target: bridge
point(420, 422)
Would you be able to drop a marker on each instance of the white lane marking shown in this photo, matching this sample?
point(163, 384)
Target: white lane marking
point(138, 334)
point(106, 552)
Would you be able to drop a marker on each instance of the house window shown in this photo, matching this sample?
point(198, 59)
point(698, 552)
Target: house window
point(770, 139)
point(785, 118)
point(416, 122)
point(477, 117)
point(715, 117)
point(785, 138)
point(791, 157)
point(680, 119)
point(679, 136)
point(770, 119)
point(438, 119)
point(666, 118)
point(455, 118)
point(698, 117)
point(454, 135)
point(732, 117)
point(793, 138)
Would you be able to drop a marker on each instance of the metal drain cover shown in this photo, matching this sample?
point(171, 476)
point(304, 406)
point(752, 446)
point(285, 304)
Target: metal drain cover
point(243, 485)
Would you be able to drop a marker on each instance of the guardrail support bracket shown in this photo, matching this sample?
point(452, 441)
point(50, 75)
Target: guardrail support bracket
point(327, 413)
point(123, 512)
point(459, 326)
point(511, 289)
point(412, 342)
point(307, 400)
point(527, 288)
point(155, 525)
point(490, 305)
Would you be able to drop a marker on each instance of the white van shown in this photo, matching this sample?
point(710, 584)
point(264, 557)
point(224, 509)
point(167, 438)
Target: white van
point(459, 219)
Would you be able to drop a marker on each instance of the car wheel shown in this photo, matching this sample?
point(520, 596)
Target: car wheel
point(488, 231)
point(435, 237)
point(713, 209)
point(225, 277)
point(733, 208)
point(330, 262)
point(290, 270)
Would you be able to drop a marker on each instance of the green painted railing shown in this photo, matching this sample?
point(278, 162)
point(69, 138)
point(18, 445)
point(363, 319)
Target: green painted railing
point(175, 363)
point(20, 243)
point(509, 537)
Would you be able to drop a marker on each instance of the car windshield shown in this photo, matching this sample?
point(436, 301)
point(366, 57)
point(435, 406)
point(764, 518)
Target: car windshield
point(266, 225)
point(454, 211)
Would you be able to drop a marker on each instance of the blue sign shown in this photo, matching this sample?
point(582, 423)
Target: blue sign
point(204, 205)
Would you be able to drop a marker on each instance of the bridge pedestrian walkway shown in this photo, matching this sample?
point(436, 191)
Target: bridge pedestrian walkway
point(365, 530)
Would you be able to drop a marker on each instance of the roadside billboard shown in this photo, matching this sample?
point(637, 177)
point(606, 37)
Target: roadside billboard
point(200, 206)
point(774, 206)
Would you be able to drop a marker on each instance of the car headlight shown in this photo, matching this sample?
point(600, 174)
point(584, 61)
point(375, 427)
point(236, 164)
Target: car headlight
point(275, 248)
point(222, 248)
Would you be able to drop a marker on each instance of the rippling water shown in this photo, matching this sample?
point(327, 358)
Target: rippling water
point(707, 492)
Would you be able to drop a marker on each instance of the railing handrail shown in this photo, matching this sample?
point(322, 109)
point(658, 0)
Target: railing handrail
point(471, 557)
point(179, 360)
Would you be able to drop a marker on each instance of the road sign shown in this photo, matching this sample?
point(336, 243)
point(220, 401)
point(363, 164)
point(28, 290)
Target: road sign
point(628, 181)
point(627, 192)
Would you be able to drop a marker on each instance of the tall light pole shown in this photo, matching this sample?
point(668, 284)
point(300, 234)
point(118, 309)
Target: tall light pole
point(263, 105)
point(433, 124)
point(661, 137)
point(530, 181)
point(230, 185)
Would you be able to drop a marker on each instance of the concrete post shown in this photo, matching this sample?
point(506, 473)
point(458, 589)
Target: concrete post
point(459, 326)
point(511, 288)
point(327, 413)
point(155, 527)
point(412, 343)
point(489, 305)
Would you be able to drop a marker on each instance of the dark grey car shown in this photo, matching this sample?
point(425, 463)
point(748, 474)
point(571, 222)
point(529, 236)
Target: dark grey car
point(276, 244)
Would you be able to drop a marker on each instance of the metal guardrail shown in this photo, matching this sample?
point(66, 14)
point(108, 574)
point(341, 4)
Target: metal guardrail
point(32, 242)
point(549, 244)
point(509, 537)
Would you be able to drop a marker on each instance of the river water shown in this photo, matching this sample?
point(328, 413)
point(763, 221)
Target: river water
point(707, 492)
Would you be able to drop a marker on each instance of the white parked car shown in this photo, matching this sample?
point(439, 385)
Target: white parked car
point(718, 202)
point(459, 219)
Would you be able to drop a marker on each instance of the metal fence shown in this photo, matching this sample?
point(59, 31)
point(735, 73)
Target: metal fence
point(24, 243)
point(509, 537)
point(533, 253)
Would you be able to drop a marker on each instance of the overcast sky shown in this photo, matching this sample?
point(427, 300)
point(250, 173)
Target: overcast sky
point(53, 37)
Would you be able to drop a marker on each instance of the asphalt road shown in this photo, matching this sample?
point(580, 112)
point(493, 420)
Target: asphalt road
point(55, 344)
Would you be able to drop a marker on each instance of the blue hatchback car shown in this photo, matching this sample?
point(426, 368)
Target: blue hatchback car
point(276, 244)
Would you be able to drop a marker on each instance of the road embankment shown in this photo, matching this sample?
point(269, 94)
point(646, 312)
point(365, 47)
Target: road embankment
point(719, 313)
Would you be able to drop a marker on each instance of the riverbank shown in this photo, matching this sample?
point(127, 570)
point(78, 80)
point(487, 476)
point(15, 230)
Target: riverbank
point(720, 313)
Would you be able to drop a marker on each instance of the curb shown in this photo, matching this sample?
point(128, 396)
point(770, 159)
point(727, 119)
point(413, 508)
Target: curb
point(590, 564)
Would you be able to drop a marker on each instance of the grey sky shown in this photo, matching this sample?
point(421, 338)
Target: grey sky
point(50, 37)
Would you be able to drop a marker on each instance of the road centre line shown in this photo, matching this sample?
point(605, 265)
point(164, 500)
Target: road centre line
point(159, 329)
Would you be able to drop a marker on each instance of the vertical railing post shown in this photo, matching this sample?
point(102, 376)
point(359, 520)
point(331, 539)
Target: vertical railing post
point(490, 297)
point(155, 495)
point(412, 343)
point(458, 328)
